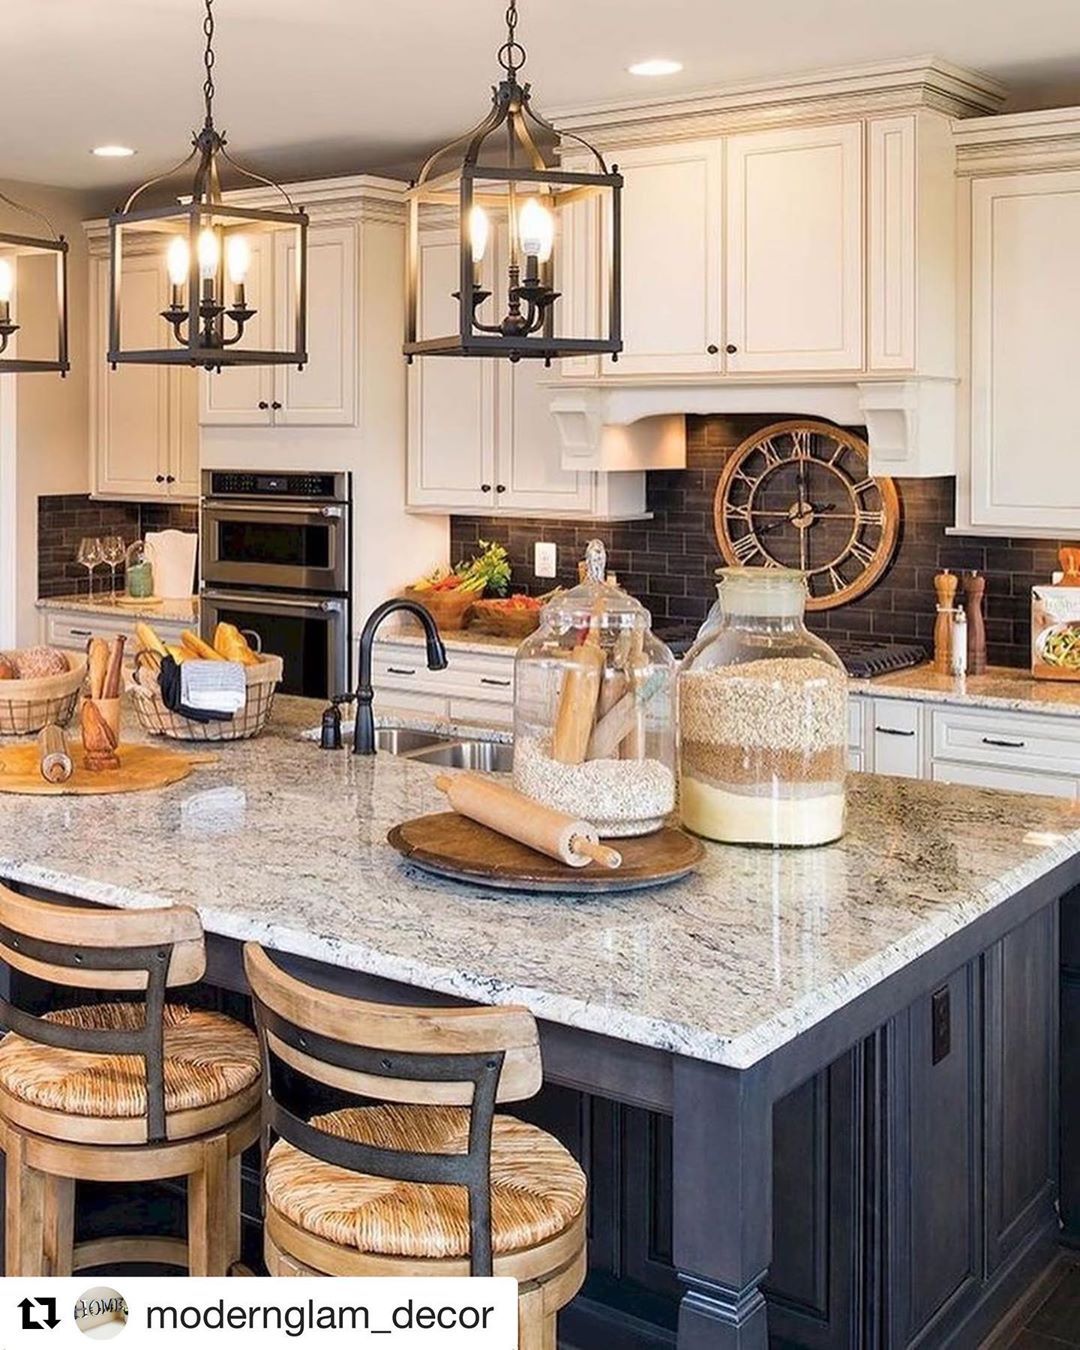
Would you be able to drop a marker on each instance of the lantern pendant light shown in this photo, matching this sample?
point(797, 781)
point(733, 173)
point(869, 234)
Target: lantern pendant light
point(14, 247)
point(205, 248)
point(508, 199)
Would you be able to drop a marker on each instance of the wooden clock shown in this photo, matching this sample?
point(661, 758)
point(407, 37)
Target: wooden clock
point(799, 494)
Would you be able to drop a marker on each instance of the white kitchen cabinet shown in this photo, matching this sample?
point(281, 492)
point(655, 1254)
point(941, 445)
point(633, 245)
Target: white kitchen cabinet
point(143, 429)
point(672, 241)
point(896, 738)
point(794, 274)
point(475, 686)
point(71, 629)
point(324, 392)
point(1005, 780)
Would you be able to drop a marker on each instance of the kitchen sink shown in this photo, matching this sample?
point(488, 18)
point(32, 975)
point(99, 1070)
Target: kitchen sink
point(483, 756)
point(404, 740)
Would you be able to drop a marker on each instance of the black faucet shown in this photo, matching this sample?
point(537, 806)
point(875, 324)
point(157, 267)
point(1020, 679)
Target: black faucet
point(364, 736)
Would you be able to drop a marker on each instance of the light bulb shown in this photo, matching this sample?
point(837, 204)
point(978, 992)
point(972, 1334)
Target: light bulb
point(479, 232)
point(209, 251)
point(7, 280)
point(238, 258)
point(536, 230)
point(178, 261)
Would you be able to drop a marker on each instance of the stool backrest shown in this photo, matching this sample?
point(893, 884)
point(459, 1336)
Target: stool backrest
point(147, 950)
point(470, 1057)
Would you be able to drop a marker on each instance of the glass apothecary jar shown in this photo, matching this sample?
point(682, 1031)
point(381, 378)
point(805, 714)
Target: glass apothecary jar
point(594, 709)
point(762, 719)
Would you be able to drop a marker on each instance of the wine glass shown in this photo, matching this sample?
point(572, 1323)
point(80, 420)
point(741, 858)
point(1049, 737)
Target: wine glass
point(88, 556)
point(113, 552)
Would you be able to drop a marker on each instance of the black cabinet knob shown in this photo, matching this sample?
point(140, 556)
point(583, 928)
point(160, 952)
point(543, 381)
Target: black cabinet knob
point(731, 349)
point(275, 405)
point(263, 405)
point(485, 487)
point(500, 487)
point(712, 349)
point(159, 478)
point(170, 478)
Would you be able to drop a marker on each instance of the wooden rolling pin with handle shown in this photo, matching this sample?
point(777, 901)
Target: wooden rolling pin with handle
point(55, 762)
point(574, 842)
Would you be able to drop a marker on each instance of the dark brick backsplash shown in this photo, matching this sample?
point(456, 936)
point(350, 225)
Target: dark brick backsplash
point(63, 521)
point(668, 561)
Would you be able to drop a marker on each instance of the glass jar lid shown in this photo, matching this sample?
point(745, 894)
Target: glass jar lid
point(771, 592)
point(596, 602)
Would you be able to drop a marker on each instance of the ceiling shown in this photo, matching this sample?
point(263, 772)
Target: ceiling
point(335, 86)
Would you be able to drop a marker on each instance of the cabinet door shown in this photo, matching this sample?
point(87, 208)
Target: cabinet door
point(130, 417)
point(323, 394)
point(240, 396)
point(182, 478)
point(897, 737)
point(671, 258)
point(451, 400)
point(794, 273)
point(1025, 350)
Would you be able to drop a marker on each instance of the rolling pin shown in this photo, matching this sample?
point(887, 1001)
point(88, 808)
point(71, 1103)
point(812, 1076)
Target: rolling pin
point(574, 842)
point(55, 762)
point(577, 702)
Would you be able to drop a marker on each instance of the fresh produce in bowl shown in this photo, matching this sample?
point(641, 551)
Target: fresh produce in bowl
point(514, 617)
point(449, 595)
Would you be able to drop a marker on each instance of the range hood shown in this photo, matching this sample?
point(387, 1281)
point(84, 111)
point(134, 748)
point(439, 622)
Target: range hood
point(616, 426)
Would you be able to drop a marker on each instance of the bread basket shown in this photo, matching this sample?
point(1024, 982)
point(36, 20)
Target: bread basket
point(154, 717)
point(28, 705)
point(448, 608)
point(493, 619)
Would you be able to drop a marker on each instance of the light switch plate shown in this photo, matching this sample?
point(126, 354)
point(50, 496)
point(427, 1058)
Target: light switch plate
point(545, 560)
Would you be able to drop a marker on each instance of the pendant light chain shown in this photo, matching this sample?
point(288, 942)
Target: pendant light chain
point(208, 62)
point(512, 54)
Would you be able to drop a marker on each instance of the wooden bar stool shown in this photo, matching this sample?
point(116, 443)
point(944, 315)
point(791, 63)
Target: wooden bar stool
point(432, 1181)
point(119, 1092)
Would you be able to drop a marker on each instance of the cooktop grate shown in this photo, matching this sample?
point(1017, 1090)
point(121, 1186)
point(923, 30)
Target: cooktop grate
point(862, 660)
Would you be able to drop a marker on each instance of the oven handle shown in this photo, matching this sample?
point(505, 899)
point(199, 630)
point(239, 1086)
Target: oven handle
point(278, 602)
point(272, 508)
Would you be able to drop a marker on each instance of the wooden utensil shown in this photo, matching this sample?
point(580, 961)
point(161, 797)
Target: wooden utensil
point(573, 842)
point(101, 733)
point(974, 596)
point(945, 585)
point(139, 768)
point(577, 702)
point(54, 762)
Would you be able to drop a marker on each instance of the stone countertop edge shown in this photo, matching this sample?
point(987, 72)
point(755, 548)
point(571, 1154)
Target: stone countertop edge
point(168, 611)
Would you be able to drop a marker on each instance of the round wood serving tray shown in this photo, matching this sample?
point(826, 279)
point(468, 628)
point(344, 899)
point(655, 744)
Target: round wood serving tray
point(142, 767)
point(460, 849)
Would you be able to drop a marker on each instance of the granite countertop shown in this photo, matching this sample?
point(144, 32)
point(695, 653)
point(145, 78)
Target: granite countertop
point(284, 843)
point(167, 611)
point(1001, 687)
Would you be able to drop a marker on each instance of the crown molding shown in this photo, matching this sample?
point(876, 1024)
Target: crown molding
point(883, 87)
point(1046, 139)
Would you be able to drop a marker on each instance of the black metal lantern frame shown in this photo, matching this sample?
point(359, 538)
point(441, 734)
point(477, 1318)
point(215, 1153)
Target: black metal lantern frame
point(208, 309)
point(12, 248)
point(503, 170)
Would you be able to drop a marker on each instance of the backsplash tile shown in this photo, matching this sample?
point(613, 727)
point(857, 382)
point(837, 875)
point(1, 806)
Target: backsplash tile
point(64, 520)
point(668, 562)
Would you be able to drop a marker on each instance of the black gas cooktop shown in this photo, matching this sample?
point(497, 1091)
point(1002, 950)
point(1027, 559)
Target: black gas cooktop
point(861, 659)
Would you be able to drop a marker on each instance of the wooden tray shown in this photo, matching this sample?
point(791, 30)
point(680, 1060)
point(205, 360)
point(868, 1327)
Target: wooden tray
point(141, 767)
point(458, 848)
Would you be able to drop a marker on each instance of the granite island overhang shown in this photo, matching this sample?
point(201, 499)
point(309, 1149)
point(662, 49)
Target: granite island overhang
point(708, 1001)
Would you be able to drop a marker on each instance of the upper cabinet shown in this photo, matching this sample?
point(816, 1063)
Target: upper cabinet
point(324, 392)
point(1020, 214)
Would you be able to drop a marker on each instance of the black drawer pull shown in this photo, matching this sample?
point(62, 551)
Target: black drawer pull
point(1005, 745)
point(399, 670)
point(499, 684)
point(893, 731)
point(80, 632)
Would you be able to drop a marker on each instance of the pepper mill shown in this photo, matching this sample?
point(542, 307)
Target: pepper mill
point(945, 585)
point(974, 594)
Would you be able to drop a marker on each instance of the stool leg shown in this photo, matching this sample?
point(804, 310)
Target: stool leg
point(209, 1223)
point(59, 1224)
point(24, 1212)
point(536, 1330)
point(234, 1217)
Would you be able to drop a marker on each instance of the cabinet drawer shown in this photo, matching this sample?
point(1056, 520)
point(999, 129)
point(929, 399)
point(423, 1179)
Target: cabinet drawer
point(482, 712)
point(897, 737)
point(855, 723)
point(1005, 780)
point(71, 632)
point(1007, 740)
point(467, 674)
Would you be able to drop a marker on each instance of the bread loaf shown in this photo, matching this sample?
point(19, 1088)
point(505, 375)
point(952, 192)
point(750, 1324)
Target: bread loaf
point(36, 662)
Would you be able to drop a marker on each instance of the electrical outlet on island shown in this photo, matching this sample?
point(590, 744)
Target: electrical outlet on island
point(545, 560)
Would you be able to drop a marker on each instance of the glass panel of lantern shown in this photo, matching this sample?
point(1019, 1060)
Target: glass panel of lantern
point(539, 258)
point(205, 310)
point(33, 304)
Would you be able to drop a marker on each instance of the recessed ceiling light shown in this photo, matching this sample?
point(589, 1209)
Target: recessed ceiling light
point(112, 151)
point(657, 65)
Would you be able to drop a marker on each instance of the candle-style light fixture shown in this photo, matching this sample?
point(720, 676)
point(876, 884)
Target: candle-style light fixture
point(206, 253)
point(505, 196)
point(14, 247)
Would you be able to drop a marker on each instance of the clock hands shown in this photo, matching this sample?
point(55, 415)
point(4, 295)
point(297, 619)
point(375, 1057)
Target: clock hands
point(787, 518)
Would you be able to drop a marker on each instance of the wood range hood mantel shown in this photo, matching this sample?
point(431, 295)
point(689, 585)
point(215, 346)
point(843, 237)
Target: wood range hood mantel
point(611, 428)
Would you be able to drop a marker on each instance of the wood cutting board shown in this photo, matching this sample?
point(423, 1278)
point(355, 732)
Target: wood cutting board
point(142, 767)
point(453, 846)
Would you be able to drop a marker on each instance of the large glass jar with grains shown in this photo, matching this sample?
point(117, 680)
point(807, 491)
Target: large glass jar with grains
point(762, 719)
point(594, 709)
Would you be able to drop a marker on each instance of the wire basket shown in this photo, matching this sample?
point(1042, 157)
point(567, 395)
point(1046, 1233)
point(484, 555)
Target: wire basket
point(155, 718)
point(28, 705)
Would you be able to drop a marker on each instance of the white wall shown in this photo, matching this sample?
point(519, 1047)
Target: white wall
point(47, 417)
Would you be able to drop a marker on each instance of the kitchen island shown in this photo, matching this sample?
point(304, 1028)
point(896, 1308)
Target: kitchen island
point(867, 1030)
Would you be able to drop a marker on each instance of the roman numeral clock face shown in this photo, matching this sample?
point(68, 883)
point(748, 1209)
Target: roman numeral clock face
point(799, 494)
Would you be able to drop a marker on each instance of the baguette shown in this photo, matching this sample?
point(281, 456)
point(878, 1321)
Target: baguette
point(149, 640)
point(178, 654)
point(231, 644)
point(98, 652)
point(116, 666)
point(197, 648)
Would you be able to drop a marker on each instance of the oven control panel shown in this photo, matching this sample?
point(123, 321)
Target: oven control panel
point(305, 486)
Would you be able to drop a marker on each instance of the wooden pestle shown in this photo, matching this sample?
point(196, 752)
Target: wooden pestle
point(55, 762)
point(500, 808)
point(945, 585)
point(577, 701)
